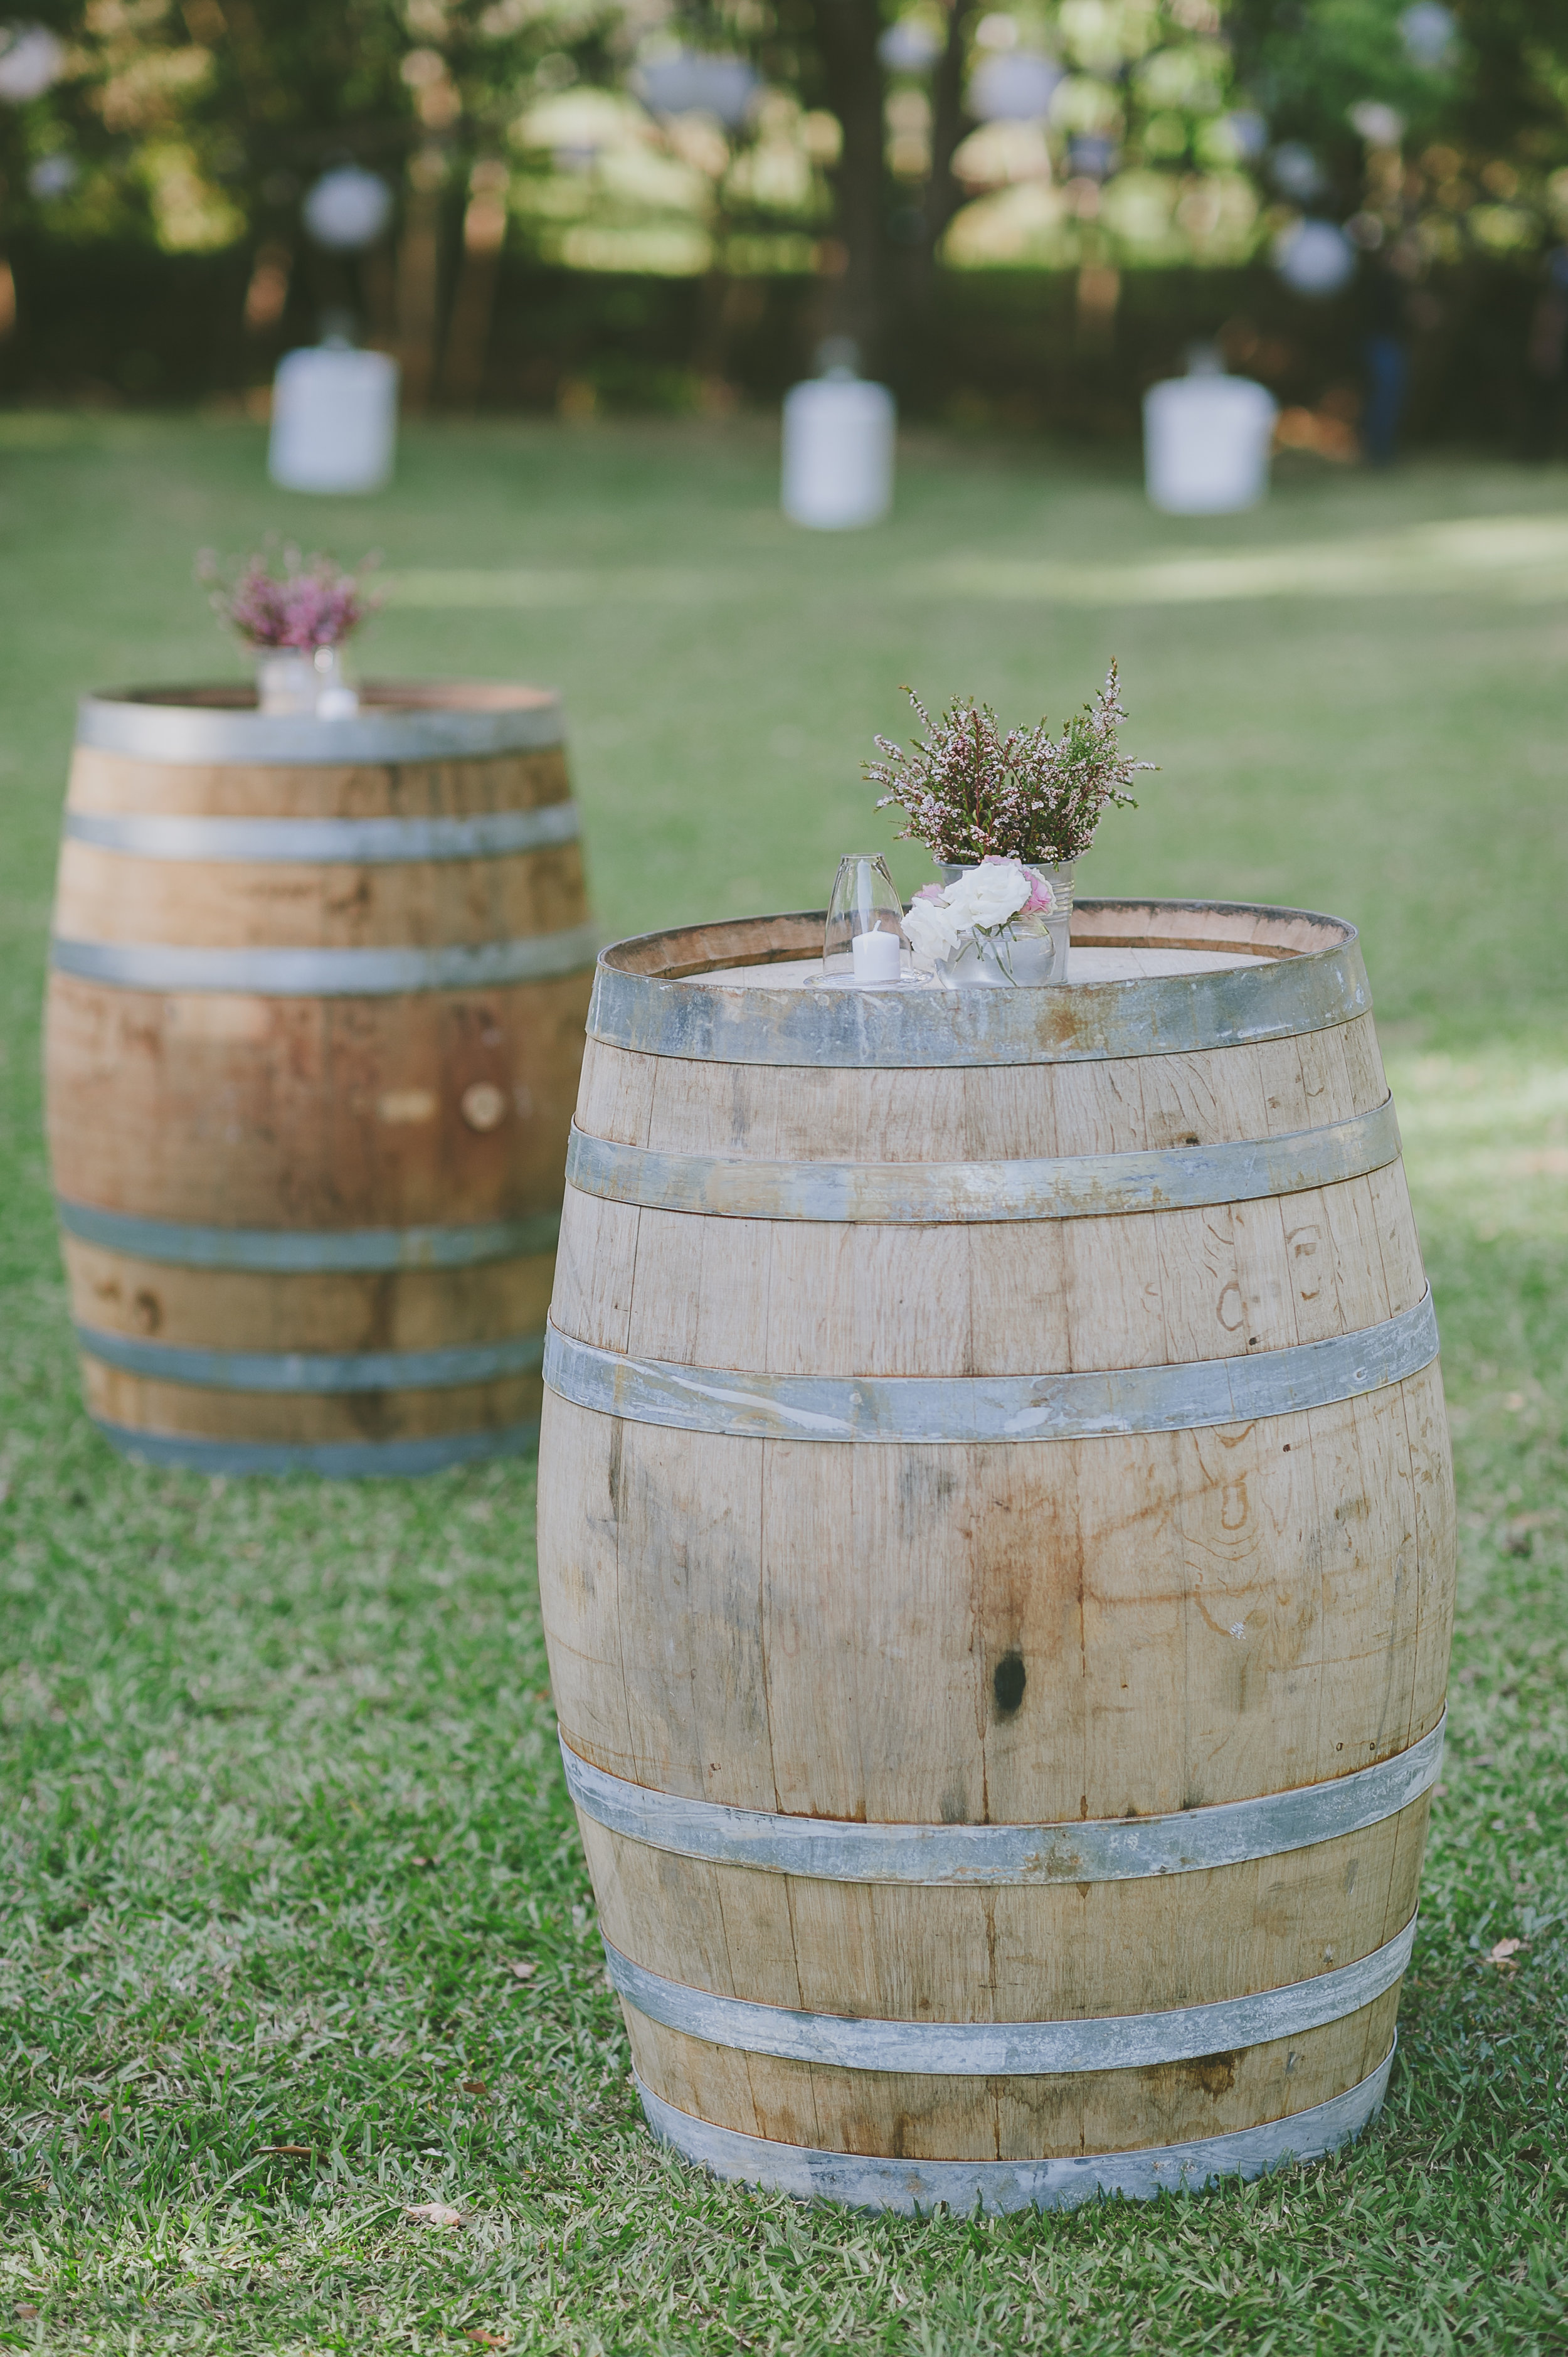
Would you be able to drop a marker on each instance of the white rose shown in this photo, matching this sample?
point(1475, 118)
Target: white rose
point(930, 929)
point(989, 895)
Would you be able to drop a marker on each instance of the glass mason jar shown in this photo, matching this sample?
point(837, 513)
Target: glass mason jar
point(1039, 950)
point(304, 680)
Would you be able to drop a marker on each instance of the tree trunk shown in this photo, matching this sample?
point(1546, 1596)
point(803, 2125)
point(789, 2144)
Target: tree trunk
point(847, 32)
point(418, 277)
point(474, 299)
point(943, 194)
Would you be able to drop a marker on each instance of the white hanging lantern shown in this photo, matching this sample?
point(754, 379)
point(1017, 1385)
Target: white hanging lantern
point(908, 46)
point(1207, 439)
point(1316, 257)
point(838, 452)
point(1429, 32)
point(348, 208)
point(334, 420)
point(1014, 86)
point(691, 83)
point(32, 59)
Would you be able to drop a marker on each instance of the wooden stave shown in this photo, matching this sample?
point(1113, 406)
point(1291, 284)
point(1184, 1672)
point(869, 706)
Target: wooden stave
point(614, 1097)
point(90, 1124)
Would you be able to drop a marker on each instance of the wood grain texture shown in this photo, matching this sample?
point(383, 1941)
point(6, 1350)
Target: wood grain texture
point(237, 1112)
point(1197, 1616)
point(1062, 1951)
point(232, 1309)
point(435, 1109)
point(1201, 1617)
point(111, 784)
point(111, 896)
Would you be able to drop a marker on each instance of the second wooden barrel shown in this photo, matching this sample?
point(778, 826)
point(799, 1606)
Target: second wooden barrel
point(314, 1033)
point(996, 1538)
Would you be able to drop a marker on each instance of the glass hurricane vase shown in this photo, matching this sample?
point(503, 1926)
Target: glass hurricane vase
point(864, 900)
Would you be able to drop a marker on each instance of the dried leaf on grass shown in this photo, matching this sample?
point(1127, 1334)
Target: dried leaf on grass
point(433, 2213)
point(489, 2339)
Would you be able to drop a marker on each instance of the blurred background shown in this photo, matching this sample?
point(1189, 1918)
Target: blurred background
point(1022, 217)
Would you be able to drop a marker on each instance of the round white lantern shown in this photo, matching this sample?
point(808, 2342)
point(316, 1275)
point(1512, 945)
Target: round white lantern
point(1206, 444)
point(348, 208)
point(334, 420)
point(32, 59)
point(838, 452)
point(1316, 257)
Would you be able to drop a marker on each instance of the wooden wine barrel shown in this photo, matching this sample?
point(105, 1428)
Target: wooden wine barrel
point(996, 1538)
point(314, 1033)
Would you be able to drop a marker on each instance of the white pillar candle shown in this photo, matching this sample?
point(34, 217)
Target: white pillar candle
point(876, 956)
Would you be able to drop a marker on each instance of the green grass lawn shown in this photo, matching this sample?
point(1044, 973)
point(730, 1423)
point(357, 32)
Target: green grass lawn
point(282, 1811)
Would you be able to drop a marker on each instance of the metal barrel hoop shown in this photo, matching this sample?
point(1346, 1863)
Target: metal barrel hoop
point(930, 1193)
point(1274, 995)
point(925, 1409)
point(916, 2188)
point(312, 1371)
point(308, 1251)
point(1109, 1849)
point(987, 2050)
point(327, 842)
point(328, 974)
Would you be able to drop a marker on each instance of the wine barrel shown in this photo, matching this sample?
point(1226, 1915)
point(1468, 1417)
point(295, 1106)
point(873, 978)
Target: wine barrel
point(996, 1538)
point(314, 1033)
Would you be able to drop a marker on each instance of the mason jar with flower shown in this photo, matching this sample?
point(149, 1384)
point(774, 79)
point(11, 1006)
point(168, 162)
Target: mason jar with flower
point(1006, 817)
point(295, 622)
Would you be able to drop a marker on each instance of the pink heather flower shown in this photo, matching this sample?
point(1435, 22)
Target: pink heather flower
point(313, 604)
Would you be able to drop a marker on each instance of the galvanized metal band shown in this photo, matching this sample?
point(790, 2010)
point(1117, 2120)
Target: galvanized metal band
point(336, 1461)
point(1068, 1187)
point(928, 1408)
point(1102, 1849)
point(916, 2188)
point(314, 1371)
point(309, 1251)
point(329, 973)
point(1270, 997)
point(327, 842)
point(149, 729)
point(986, 2049)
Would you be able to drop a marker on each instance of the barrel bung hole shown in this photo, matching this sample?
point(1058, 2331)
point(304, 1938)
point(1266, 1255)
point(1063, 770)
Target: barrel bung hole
point(1007, 1684)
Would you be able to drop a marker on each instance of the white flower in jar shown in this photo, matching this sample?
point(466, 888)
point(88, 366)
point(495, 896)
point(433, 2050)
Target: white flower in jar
point(990, 894)
point(930, 927)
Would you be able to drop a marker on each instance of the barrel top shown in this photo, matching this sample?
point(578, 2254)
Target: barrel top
point(398, 720)
point(1160, 977)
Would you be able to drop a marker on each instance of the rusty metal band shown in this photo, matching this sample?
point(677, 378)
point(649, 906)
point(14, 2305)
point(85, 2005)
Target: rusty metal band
point(157, 726)
point(314, 1371)
point(308, 1251)
point(328, 974)
point(916, 2188)
point(335, 1460)
point(1270, 997)
point(919, 1409)
point(326, 841)
point(986, 2049)
point(1064, 1186)
point(1107, 1849)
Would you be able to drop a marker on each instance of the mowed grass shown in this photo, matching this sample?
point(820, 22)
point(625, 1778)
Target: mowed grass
point(282, 1810)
